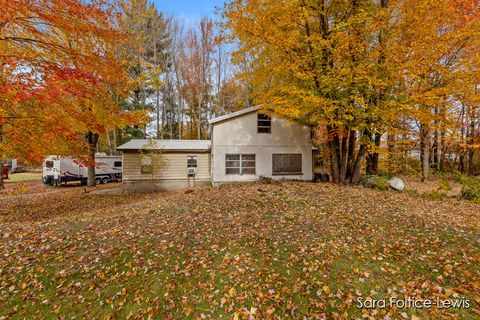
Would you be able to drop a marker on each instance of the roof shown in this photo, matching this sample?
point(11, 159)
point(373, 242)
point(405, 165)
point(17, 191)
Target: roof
point(234, 114)
point(167, 145)
point(240, 113)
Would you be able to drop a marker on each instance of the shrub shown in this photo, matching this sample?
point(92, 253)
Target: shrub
point(444, 185)
point(434, 195)
point(398, 164)
point(471, 189)
point(386, 175)
point(376, 182)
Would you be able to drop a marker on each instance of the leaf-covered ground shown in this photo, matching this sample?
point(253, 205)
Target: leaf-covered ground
point(259, 251)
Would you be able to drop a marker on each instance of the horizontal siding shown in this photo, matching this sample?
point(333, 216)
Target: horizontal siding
point(174, 167)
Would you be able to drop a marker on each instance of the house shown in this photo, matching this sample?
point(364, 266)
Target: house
point(247, 145)
point(244, 146)
point(165, 165)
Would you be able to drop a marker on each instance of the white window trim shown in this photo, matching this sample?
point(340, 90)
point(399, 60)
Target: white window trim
point(240, 160)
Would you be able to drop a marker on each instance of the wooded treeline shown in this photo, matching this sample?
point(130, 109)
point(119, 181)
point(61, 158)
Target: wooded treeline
point(380, 79)
point(385, 82)
point(78, 77)
point(183, 75)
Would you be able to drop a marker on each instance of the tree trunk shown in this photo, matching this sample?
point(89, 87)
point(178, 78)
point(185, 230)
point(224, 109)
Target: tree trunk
point(390, 149)
point(180, 118)
point(2, 186)
point(92, 139)
point(442, 140)
point(471, 140)
point(461, 163)
point(157, 104)
point(351, 152)
point(372, 158)
point(357, 169)
point(109, 141)
point(344, 157)
point(376, 155)
point(435, 145)
point(199, 123)
point(115, 141)
point(334, 153)
point(425, 152)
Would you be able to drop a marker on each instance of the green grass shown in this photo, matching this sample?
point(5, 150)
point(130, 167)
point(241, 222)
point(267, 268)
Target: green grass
point(23, 177)
point(292, 251)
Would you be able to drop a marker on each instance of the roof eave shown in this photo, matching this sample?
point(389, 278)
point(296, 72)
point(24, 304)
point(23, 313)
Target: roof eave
point(234, 115)
point(167, 150)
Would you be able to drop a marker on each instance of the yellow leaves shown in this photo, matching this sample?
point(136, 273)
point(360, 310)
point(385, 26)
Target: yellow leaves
point(231, 292)
point(326, 289)
point(449, 293)
point(57, 309)
point(223, 300)
point(448, 268)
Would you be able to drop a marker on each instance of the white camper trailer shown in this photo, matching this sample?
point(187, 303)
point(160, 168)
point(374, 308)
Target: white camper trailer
point(58, 169)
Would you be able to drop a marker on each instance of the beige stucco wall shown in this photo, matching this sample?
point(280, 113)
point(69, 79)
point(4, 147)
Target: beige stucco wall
point(239, 136)
point(171, 175)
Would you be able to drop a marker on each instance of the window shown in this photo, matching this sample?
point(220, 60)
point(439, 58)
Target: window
point(240, 164)
point(285, 164)
point(146, 167)
point(49, 164)
point(248, 163)
point(191, 161)
point(117, 164)
point(264, 123)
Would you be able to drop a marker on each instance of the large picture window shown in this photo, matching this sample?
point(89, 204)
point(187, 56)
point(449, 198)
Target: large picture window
point(264, 123)
point(287, 164)
point(240, 164)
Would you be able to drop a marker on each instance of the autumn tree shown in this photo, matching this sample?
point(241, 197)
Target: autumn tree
point(319, 62)
point(361, 69)
point(59, 77)
point(196, 60)
point(437, 49)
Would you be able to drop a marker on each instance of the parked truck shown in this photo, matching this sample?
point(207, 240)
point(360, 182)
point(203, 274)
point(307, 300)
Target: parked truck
point(59, 169)
point(15, 165)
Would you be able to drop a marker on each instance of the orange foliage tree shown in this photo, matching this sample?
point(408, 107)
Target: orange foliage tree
point(60, 79)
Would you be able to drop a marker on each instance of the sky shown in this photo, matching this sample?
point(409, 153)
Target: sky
point(187, 10)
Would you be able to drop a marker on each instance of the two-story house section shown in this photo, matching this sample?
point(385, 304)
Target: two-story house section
point(249, 144)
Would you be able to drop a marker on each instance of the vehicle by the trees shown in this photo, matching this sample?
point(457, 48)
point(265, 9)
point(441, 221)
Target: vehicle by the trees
point(58, 169)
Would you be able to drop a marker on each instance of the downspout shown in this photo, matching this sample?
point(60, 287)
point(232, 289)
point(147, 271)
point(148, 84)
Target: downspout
point(211, 155)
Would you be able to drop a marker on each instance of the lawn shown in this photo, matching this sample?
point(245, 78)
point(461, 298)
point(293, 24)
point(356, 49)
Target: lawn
point(24, 176)
point(258, 251)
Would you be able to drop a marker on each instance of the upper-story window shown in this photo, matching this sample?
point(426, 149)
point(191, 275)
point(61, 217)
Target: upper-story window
point(264, 123)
